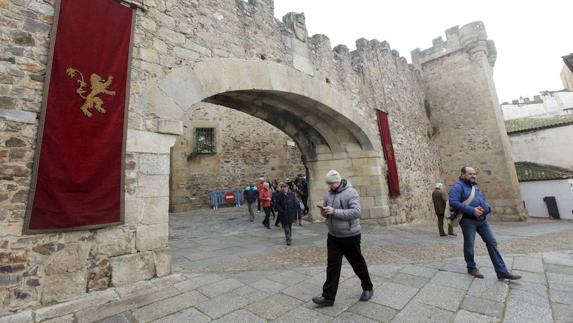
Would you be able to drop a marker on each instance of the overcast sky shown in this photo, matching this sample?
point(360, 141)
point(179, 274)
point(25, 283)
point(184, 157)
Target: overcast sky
point(530, 36)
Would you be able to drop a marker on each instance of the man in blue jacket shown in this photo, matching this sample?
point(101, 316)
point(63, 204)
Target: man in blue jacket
point(475, 209)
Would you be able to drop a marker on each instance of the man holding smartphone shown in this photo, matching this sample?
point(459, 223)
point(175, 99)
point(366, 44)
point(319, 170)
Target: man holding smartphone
point(466, 197)
point(342, 212)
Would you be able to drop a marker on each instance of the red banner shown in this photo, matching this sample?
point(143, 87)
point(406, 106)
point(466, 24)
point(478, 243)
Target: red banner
point(78, 172)
point(388, 149)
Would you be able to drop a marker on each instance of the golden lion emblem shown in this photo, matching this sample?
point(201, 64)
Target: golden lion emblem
point(98, 86)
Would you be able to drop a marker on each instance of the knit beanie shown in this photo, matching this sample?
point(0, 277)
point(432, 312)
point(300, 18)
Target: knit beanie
point(332, 176)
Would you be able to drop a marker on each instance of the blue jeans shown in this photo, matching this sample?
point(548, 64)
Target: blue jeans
point(469, 229)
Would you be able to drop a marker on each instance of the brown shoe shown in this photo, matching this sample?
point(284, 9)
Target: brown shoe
point(509, 276)
point(476, 274)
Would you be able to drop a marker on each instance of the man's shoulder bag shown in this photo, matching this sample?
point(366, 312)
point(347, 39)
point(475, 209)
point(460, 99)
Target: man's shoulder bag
point(454, 220)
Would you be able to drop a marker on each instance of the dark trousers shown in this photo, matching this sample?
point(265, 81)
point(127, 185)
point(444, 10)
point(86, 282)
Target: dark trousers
point(259, 205)
point(441, 225)
point(251, 206)
point(266, 221)
point(278, 220)
point(469, 228)
point(288, 231)
point(305, 202)
point(349, 248)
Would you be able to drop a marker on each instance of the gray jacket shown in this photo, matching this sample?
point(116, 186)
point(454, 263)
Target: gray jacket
point(345, 222)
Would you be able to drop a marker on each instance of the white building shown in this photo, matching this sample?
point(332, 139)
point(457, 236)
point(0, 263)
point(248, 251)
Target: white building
point(542, 140)
point(548, 103)
point(539, 184)
point(543, 156)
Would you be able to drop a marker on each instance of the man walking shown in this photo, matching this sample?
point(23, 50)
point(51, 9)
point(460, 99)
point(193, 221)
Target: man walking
point(466, 197)
point(287, 206)
point(251, 195)
point(342, 212)
point(439, 198)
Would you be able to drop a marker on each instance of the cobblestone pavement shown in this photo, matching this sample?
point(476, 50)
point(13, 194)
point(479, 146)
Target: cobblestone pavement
point(227, 269)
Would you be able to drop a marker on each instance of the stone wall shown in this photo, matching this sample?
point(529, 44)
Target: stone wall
point(247, 148)
point(470, 130)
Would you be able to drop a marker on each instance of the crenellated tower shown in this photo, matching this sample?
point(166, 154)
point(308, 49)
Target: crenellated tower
point(468, 124)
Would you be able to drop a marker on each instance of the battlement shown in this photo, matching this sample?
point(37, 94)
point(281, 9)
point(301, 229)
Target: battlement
point(544, 95)
point(471, 37)
point(319, 45)
point(524, 101)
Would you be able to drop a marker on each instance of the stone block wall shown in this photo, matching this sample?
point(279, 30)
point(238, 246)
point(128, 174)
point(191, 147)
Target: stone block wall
point(247, 148)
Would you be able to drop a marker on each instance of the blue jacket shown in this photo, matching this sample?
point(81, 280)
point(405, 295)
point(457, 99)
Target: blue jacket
point(459, 192)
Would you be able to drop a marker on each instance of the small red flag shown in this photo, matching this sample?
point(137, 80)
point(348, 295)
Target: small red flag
point(78, 172)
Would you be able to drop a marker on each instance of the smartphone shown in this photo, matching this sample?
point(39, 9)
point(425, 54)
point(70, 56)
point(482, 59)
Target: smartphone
point(320, 206)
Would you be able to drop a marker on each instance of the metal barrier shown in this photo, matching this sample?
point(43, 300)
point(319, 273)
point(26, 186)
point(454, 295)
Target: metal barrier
point(217, 198)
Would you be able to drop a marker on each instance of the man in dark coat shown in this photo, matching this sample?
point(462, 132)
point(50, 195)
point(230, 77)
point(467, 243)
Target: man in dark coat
point(287, 207)
point(439, 198)
point(251, 195)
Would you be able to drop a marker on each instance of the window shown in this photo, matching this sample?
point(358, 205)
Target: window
point(205, 140)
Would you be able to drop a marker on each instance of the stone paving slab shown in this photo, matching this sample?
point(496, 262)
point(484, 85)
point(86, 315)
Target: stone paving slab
point(394, 295)
point(563, 313)
point(519, 312)
point(561, 297)
point(273, 306)
point(483, 306)
point(99, 312)
point(469, 317)
point(168, 306)
point(303, 314)
point(351, 317)
point(240, 316)
point(191, 315)
point(417, 270)
point(419, 312)
point(440, 296)
point(409, 280)
point(374, 311)
point(489, 288)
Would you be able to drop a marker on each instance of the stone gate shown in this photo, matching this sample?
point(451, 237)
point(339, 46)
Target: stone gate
point(237, 54)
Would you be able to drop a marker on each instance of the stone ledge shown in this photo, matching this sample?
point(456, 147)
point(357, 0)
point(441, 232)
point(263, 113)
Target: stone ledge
point(132, 268)
point(171, 127)
point(149, 142)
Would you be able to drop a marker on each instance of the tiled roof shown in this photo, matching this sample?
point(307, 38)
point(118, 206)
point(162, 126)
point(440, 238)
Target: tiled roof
point(528, 172)
point(530, 124)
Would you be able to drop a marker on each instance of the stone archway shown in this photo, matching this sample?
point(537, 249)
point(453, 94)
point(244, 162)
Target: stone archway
point(329, 132)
